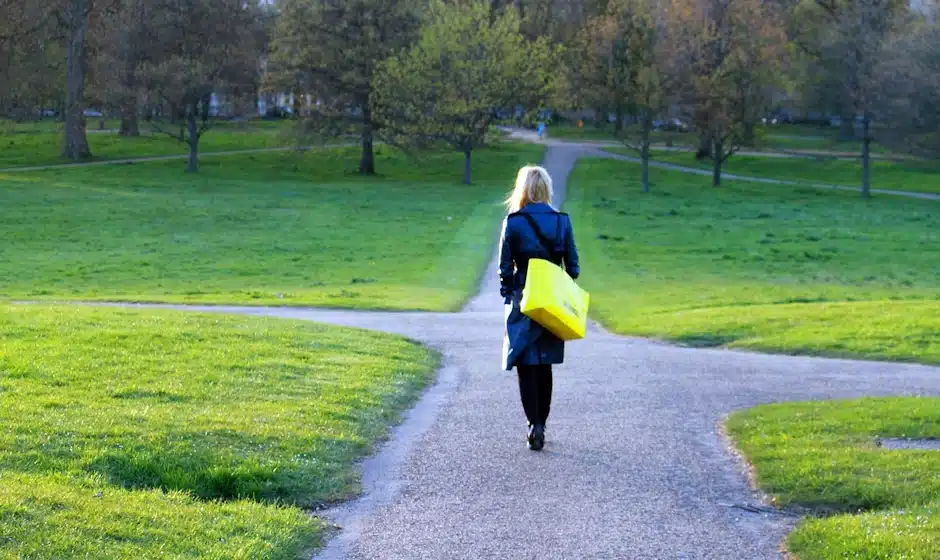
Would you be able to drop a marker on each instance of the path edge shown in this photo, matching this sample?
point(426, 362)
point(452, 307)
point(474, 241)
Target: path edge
point(749, 472)
point(381, 473)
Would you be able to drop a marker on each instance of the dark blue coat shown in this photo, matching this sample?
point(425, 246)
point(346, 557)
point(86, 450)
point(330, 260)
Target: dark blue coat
point(526, 342)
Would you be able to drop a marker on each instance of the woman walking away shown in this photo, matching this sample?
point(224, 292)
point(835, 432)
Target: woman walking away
point(532, 230)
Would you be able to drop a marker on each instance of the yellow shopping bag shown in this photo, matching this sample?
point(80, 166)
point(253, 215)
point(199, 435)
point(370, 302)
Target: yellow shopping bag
point(552, 299)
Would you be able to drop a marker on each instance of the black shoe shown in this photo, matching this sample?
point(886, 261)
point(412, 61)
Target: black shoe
point(530, 438)
point(537, 437)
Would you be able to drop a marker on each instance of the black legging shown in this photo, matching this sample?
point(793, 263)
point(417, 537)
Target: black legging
point(535, 387)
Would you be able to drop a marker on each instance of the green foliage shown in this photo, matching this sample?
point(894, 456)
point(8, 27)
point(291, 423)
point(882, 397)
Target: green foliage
point(468, 63)
point(336, 46)
point(621, 61)
point(822, 456)
point(200, 48)
point(758, 266)
point(331, 50)
point(282, 229)
point(731, 57)
point(157, 433)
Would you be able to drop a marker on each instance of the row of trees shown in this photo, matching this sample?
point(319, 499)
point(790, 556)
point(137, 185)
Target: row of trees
point(162, 59)
point(715, 63)
point(719, 64)
point(414, 72)
point(419, 72)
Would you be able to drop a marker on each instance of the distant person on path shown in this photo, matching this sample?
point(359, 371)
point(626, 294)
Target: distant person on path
point(527, 346)
point(541, 129)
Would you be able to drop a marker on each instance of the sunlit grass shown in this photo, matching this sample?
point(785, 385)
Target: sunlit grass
point(909, 176)
point(876, 503)
point(757, 266)
point(285, 229)
point(157, 433)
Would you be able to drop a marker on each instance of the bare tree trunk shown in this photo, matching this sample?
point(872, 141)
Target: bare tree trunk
point(866, 158)
point(847, 126)
point(76, 141)
point(193, 166)
point(717, 155)
point(296, 106)
point(367, 161)
point(130, 124)
point(467, 167)
point(750, 134)
point(704, 147)
point(645, 154)
point(618, 126)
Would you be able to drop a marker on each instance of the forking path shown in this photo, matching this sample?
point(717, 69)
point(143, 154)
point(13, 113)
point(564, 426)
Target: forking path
point(635, 466)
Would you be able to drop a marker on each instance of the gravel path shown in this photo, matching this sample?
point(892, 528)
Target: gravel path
point(635, 466)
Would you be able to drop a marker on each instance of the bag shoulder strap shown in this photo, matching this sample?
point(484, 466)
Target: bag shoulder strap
point(550, 247)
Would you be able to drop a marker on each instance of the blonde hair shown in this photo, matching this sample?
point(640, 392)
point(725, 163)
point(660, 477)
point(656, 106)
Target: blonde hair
point(533, 184)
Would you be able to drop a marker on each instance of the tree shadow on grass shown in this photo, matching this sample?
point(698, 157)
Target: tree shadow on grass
point(198, 474)
point(227, 465)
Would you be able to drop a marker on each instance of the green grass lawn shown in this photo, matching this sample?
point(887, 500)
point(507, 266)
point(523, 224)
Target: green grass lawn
point(810, 137)
point(41, 143)
point(283, 228)
point(783, 269)
point(589, 132)
point(899, 176)
point(772, 138)
point(870, 502)
point(570, 131)
point(142, 434)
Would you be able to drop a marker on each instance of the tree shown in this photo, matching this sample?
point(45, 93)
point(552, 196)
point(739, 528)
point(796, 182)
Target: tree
point(558, 20)
point(75, 18)
point(621, 60)
point(21, 18)
point(127, 41)
point(729, 54)
point(30, 57)
point(466, 65)
point(331, 49)
point(908, 77)
point(817, 27)
point(855, 47)
point(205, 49)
